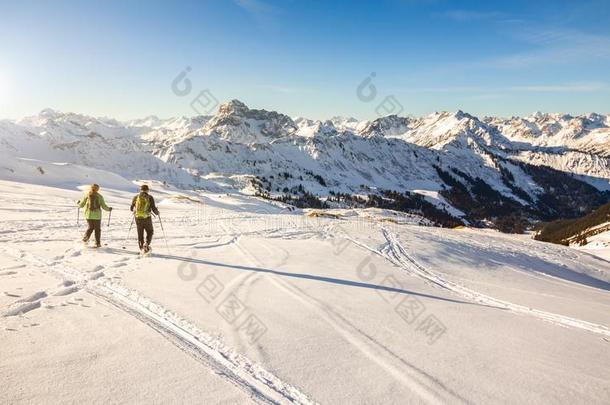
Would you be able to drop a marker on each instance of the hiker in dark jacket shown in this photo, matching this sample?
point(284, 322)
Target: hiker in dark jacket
point(142, 205)
point(93, 213)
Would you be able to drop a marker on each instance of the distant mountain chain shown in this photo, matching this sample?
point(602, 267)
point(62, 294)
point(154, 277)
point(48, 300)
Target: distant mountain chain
point(499, 172)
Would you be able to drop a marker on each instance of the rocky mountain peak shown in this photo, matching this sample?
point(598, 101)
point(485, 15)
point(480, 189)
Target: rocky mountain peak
point(238, 123)
point(233, 107)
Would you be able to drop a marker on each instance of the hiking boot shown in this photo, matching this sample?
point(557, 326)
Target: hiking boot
point(97, 245)
point(146, 248)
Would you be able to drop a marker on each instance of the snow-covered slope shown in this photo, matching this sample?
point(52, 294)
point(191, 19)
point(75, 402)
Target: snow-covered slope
point(589, 132)
point(95, 143)
point(254, 303)
point(598, 244)
point(579, 145)
point(269, 144)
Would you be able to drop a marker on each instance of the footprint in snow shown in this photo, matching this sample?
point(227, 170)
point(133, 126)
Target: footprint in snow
point(66, 291)
point(97, 275)
point(22, 309)
point(19, 266)
point(34, 297)
point(96, 269)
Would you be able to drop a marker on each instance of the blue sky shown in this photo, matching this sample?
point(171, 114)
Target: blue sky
point(119, 58)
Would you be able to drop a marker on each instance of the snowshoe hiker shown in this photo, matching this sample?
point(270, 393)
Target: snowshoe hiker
point(142, 205)
point(94, 203)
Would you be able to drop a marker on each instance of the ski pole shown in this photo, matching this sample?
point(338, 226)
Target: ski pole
point(164, 237)
point(109, 216)
point(77, 217)
point(133, 218)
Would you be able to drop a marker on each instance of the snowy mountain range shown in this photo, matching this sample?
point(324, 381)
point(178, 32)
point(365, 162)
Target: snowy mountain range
point(479, 171)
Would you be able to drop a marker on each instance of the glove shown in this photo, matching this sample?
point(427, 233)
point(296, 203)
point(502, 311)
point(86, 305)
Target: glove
point(109, 208)
point(78, 202)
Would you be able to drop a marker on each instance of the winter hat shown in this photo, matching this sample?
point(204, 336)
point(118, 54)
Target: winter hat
point(144, 187)
point(95, 188)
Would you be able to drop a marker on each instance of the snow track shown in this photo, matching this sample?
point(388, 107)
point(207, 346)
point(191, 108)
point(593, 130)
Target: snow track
point(261, 385)
point(397, 254)
point(429, 389)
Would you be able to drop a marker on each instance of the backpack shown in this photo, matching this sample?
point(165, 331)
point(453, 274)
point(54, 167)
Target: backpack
point(142, 206)
point(93, 202)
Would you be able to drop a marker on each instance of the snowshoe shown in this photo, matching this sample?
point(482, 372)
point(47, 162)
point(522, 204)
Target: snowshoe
point(145, 251)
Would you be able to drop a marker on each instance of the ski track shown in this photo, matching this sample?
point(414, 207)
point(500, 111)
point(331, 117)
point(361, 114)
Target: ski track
point(510, 249)
point(237, 283)
point(398, 255)
point(428, 388)
point(261, 385)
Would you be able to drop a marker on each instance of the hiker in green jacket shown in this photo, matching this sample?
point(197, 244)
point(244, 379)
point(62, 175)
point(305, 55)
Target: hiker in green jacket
point(93, 213)
point(142, 205)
